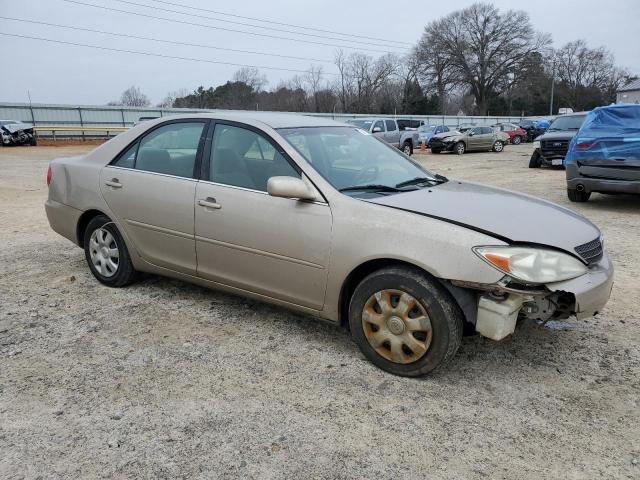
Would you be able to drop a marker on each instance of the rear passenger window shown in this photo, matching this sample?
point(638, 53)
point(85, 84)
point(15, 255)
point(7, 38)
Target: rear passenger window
point(391, 125)
point(170, 149)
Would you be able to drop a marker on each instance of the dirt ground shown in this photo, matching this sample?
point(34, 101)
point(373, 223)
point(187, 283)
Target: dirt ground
point(168, 380)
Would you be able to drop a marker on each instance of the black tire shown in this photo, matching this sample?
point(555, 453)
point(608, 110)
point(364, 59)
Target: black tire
point(444, 314)
point(407, 148)
point(34, 142)
point(534, 161)
point(498, 146)
point(124, 274)
point(459, 148)
point(578, 196)
point(517, 140)
point(435, 150)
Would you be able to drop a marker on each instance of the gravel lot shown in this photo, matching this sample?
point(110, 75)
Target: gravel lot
point(168, 380)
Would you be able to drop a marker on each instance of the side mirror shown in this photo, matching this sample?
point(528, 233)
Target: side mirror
point(376, 130)
point(471, 134)
point(289, 187)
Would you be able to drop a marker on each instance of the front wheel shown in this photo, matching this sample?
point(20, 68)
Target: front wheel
point(534, 161)
point(498, 146)
point(407, 148)
point(107, 254)
point(516, 140)
point(405, 322)
point(459, 148)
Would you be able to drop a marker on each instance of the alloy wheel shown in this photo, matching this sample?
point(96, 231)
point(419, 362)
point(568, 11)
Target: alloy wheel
point(104, 252)
point(397, 326)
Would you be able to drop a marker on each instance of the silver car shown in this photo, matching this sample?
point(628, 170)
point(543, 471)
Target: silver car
point(328, 220)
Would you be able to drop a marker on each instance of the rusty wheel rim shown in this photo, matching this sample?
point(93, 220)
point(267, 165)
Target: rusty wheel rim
point(397, 326)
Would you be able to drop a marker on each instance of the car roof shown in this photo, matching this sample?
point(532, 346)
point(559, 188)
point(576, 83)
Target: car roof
point(272, 119)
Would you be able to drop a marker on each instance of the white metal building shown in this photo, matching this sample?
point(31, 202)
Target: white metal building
point(630, 93)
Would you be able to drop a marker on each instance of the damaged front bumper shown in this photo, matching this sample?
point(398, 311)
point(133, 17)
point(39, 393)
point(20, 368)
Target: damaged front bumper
point(503, 303)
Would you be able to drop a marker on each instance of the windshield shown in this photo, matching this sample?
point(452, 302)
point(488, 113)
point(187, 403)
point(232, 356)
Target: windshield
point(570, 122)
point(364, 124)
point(349, 158)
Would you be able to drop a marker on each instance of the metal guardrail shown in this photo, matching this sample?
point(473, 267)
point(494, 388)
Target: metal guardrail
point(54, 129)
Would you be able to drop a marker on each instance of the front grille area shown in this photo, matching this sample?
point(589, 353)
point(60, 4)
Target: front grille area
point(554, 147)
point(590, 252)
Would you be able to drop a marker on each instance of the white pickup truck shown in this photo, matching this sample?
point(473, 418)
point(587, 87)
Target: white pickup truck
point(397, 133)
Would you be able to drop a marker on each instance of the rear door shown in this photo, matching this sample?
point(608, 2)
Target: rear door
point(150, 188)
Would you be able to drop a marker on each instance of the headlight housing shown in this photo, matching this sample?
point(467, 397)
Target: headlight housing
point(536, 144)
point(532, 265)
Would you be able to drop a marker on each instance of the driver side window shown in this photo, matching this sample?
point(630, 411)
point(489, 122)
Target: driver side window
point(379, 124)
point(243, 158)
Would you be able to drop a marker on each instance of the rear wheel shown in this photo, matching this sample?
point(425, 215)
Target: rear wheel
point(404, 322)
point(107, 254)
point(577, 195)
point(516, 140)
point(459, 148)
point(407, 148)
point(534, 161)
point(498, 146)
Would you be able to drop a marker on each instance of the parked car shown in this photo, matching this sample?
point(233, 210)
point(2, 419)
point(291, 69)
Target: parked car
point(604, 156)
point(426, 133)
point(328, 220)
point(516, 134)
point(534, 128)
point(14, 132)
point(387, 129)
point(551, 147)
point(469, 139)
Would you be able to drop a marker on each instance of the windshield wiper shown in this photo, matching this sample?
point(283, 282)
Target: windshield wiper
point(372, 187)
point(418, 180)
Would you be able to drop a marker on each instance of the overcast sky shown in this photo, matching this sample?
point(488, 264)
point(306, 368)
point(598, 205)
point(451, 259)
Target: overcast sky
point(56, 73)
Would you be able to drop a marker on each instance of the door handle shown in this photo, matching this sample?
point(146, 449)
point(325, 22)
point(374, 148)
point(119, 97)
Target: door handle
point(209, 203)
point(113, 183)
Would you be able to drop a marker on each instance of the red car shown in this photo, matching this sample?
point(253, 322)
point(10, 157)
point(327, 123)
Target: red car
point(516, 134)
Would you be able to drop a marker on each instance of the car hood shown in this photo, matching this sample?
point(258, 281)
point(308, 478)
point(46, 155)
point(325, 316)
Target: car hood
point(507, 215)
point(451, 133)
point(16, 127)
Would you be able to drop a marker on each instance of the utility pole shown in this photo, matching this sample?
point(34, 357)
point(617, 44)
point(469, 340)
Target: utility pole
point(553, 83)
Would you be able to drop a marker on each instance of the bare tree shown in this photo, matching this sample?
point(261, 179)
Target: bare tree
point(133, 97)
point(483, 47)
point(361, 78)
point(585, 74)
point(251, 76)
point(436, 69)
point(170, 98)
point(313, 78)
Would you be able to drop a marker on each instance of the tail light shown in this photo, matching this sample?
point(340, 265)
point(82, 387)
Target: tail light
point(49, 175)
point(582, 146)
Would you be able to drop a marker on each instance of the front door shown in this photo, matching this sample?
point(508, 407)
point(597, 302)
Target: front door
point(246, 238)
point(151, 190)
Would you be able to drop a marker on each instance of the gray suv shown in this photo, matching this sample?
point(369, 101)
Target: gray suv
point(388, 130)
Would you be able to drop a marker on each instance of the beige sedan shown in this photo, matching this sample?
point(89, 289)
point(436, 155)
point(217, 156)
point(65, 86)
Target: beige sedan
point(324, 218)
